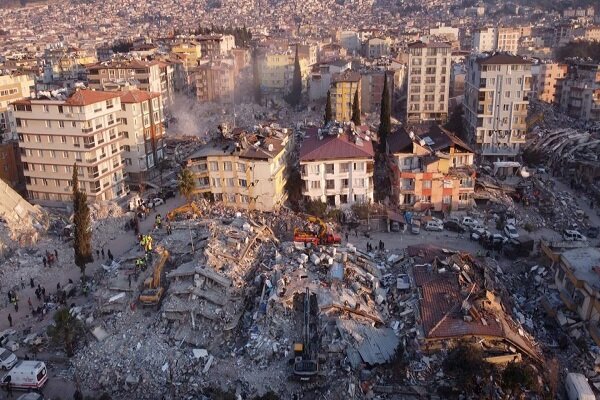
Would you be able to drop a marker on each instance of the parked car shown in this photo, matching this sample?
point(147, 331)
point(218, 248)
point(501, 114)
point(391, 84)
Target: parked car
point(7, 359)
point(454, 227)
point(593, 232)
point(415, 227)
point(477, 228)
point(453, 219)
point(478, 234)
point(468, 221)
point(156, 201)
point(572, 235)
point(511, 232)
point(166, 193)
point(434, 225)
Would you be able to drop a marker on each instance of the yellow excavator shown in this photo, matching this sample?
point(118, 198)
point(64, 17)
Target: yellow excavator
point(316, 238)
point(184, 209)
point(153, 290)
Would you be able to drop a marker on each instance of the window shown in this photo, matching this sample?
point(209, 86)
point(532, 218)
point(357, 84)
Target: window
point(446, 199)
point(65, 154)
point(329, 184)
point(214, 166)
point(46, 108)
point(216, 182)
point(242, 183)
point(61, 124)
point(52, 154)
point(54, 168)
point(227, 166)
point(427, 184)
point(50, 139)
point(506, 107)
point(38, 138)
point(359, 166)
point(241, 167)
point(41, 153)
point(329, 168)
point(359, 182)
point(314, 169)
point(507, 94)
point(229, 182)
point(57, 182)
point(48, 124)
point(63, 139)
point(315, 184)
point(344, 167)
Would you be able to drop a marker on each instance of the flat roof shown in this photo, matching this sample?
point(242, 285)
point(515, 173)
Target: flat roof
point(585, 264)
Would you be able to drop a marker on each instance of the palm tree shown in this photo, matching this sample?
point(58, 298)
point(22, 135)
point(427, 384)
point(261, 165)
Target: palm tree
point(186, 184)
point(66, 330)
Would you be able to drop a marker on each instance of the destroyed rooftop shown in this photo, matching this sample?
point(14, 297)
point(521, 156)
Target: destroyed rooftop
point(263, 144)
point(434, 137)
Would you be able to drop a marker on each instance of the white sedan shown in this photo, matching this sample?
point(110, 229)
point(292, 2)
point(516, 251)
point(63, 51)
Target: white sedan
point(511, 232)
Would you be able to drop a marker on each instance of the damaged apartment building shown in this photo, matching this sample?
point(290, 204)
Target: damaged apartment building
point(432, 169)
point(244, 169)
point(497, 92)
point(337, 163)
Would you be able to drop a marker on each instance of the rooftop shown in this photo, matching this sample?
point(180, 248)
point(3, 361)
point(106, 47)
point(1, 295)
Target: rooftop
point(502, 58)
point(419, 44)
point(137, 96)
point(333, 144)
point(432, 136)
point(585, 264)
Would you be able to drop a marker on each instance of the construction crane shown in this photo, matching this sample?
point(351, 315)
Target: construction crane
point(321, 237)
point(153, 290)
point(306, 364)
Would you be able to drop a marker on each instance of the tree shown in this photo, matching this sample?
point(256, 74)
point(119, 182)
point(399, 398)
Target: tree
point(163, 165)
point(256, 78)
point(385, 118)
point(328, 113)
point(82, 243)
point(356, 109)
point(66, 331)
point(517, 376)
point(465, 363)
point(186, 184)
point(295, 95)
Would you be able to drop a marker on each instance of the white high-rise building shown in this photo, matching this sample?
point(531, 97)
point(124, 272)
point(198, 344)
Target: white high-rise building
point(495, 105)
point(428, 81)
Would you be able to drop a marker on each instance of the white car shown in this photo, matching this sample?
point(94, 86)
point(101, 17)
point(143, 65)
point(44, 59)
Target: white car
point(572, 235)
point(7, 359)
point(511, 232)
point(468, 221)
point(434, 225)
point(157, 201)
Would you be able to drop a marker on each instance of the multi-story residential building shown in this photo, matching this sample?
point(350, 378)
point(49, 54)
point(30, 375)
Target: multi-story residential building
point(319, 81)
point(496, 98)
point(544, 83)
point(371, 89)
point(83, 129)
point(428, 81)
point(64, 66)
point(377, 47)
point(151, 76)
point(491, 39)
point(142, 129)
point(190, 51)
point(215, 81)
point(12, 87)
point(336, 165)
point(244, 170)
point(277, 71)
point(508, 39)
point(215, 45)
point(343, 88)
point(576, 277)
point(431, 170)
point(578, 93)
point(349, 40)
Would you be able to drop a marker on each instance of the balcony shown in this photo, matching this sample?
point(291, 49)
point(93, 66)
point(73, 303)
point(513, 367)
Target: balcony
point(87, 130)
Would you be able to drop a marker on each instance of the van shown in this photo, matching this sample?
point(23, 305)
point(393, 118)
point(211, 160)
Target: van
point(578, 388)
point(26, 375)
point(7, 359)
point(415, 227)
